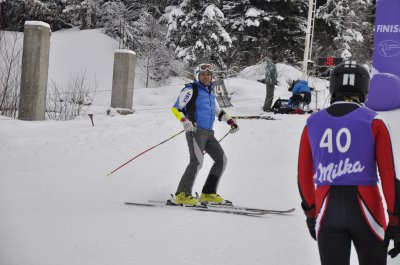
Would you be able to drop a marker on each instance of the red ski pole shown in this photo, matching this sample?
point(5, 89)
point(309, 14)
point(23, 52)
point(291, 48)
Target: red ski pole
point(144, 152)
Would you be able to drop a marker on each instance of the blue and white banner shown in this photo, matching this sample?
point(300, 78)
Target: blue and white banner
point(385, 84)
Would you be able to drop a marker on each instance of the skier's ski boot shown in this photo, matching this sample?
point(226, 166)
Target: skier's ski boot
point(183, 199)
point(211, 198)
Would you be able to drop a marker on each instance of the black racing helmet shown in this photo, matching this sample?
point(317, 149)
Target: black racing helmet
point(349, 79)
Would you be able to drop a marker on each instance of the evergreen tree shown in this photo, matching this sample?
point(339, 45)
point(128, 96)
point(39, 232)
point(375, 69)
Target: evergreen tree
point(149, 44)
point(236, 27)
point(226, 33)
point(114, 18)
point(274, 28)
point(289, 29)
point(89, 13)
point(196, 32)
point(72, 11)
point(156, 8)
point(16, 12)
point(352, 21)
point(138, 27)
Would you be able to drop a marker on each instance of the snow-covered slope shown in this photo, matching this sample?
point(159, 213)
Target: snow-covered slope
point(58, 206)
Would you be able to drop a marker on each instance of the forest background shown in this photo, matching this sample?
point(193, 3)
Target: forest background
point(172, 36)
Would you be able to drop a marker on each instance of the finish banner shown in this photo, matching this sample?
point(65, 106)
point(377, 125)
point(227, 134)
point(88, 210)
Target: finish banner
point(385, 83)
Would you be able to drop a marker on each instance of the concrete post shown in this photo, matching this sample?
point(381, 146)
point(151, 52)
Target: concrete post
point(123, 79)
point(34, 73)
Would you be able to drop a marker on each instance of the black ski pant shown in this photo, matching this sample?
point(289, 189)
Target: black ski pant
point(344, 223)
point(199, 141)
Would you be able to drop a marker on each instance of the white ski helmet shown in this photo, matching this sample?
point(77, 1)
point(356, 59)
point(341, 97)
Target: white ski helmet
point(201, 68)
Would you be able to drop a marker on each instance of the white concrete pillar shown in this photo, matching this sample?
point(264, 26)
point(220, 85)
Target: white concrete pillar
point(34, 72)
point(123, 79)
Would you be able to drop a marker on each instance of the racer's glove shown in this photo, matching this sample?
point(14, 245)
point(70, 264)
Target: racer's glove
point(310, 213)
point(234, 126)
point(187, 125)
point(393, 233)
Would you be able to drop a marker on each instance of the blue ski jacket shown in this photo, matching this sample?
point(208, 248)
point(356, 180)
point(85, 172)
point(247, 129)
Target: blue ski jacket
point(205, 103)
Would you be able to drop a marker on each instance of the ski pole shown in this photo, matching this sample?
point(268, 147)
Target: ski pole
point(144, 152)
point(222, 138)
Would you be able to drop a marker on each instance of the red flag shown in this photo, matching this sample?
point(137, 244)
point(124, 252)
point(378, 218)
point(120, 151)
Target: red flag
point(91, 117)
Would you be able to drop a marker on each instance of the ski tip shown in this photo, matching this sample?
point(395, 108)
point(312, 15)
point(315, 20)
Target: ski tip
point(282, 212)
point(287, 211)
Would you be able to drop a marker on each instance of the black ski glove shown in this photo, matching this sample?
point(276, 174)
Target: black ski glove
point(310, 213)
point(311, 227)
point(393, 233)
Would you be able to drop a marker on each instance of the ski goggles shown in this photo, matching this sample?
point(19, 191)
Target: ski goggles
point(205, 67)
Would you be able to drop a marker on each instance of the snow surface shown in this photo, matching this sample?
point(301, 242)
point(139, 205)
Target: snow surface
point(212, 13)
point(37, 23)
point(253, 12)
point(58, 206)
point(125, 51)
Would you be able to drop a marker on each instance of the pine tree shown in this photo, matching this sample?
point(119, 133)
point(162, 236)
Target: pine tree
point(236, 27)
point(2, 14)
point(353, 23)
point(196, 32)
point(272, 28)
point(288, 29)
point(16, 12)
point(156, 8)
point(148, 37)
point(114, 18)
point(88, 13)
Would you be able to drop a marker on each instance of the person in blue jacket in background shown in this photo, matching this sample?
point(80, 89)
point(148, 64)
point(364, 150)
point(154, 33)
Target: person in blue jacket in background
point(301, 93)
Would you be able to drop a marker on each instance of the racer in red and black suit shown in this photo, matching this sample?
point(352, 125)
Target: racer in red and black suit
point(340, 150)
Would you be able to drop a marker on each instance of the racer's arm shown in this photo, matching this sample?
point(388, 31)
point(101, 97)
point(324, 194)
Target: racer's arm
point(183, 99)
point(224, 116)
point(220, 113)
point(387, 166)
point(390, 179)
point(305, 173)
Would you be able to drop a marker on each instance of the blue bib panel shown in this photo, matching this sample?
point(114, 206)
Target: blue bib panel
point(343, 148)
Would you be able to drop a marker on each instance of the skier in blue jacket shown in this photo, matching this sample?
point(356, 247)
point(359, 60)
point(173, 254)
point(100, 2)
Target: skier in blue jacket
point(196, 108)
point(301, 93)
